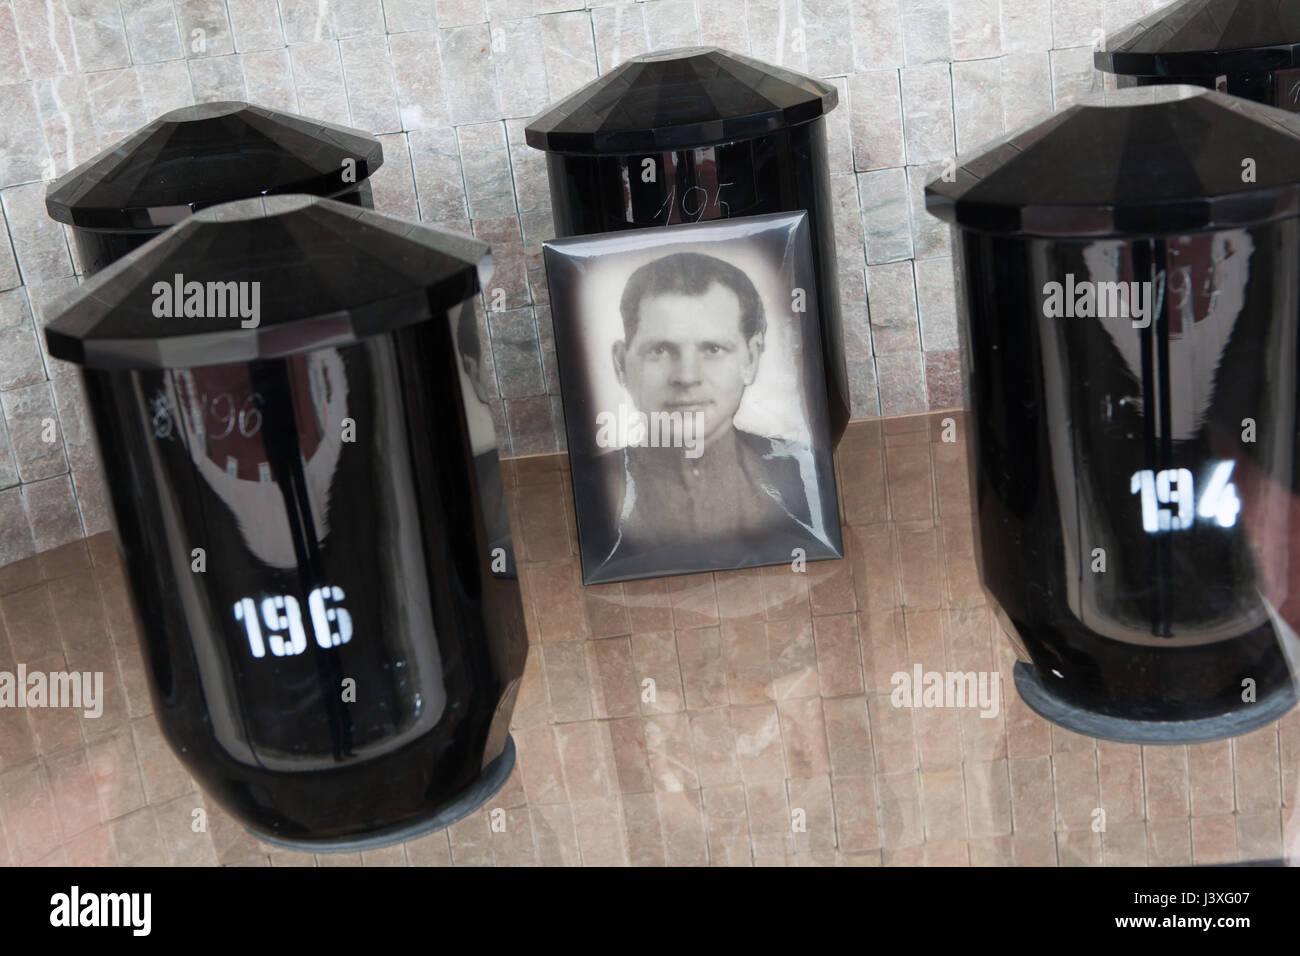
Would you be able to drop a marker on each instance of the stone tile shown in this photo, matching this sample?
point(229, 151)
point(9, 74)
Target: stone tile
point(393, 184)
point(931, 236)
point(435, 160)
point(20, 354)
point(1026, 25)
point(52, 512)
point(620, 33)
point(723, 25)
point(268, 80)
point(877, 34)
point(168, 86)
point(1073, 76)
point(1214, 840)
point(255, 25)
point(306, 21)
point(976, 29)
point(318, 78)
point(457, 13)
point(927, 113)
point(726, 821)
point(1169, 843)
point(1076, 23)
point(24, 157)
point(219, 78)
point(16, 541)
point(34, 432)
point(886, 225)
point(368, 77)
point(418, 75)
point(901, 823)
point(117, 104)
point(204, 27)
point(485, 162)
point(1164, 772)
point(772, 37)
point(532, 427)
point(8, 265)
point(1210, 776)
point(404, 16)
point(45, 35)
point(876, 117)
point(1026, 89)
point(943, 382)
point(519, 60)
point(977, 103)
point(468, 74)
point(39, 244)
point(672, 24)
point(569, 51)
point(927, 31)
point(936, 301)
point(12, 68)
point(895, 326)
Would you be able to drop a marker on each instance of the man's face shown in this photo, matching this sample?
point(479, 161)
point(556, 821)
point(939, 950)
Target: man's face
point(689, 355)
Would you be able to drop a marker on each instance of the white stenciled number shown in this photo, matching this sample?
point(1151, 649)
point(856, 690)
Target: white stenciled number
point(1219, 500)
point(246, 611)
point(1175, 487)
point(332, 624)
point(280, 614)
point(1169, 501)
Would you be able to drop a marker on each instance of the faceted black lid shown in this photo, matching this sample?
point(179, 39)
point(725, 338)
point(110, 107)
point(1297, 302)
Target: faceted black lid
point(1152, 160)
point(320, 274)
point(680, 99)
point(1207, 38)
point(197, 156)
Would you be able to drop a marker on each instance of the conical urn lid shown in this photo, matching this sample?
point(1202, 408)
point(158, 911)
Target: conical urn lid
point(680, 99)
point(1207, 38)
point(198, 156)
point(266, 278)
point(1141, 161)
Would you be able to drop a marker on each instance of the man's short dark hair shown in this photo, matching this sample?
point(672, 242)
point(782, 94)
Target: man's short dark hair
point(690, 273)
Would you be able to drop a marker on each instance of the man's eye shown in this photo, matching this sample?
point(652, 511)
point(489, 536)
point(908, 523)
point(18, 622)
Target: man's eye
point(713, 349)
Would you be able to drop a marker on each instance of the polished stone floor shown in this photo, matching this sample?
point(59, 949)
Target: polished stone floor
point(771, 739)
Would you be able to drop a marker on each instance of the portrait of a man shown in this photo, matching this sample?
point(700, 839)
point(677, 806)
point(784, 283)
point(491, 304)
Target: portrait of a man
point(676, 481)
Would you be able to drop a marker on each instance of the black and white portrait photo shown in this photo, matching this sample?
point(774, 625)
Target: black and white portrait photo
point(694, 400)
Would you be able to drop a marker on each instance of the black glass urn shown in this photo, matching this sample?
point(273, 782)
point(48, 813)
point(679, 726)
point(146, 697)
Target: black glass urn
point(305, 495)
point(199, 156)
point(693, 134)
point(1131, 300)
point(1249, 48)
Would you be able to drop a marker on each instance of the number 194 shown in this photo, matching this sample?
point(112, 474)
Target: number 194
point(1170, 503)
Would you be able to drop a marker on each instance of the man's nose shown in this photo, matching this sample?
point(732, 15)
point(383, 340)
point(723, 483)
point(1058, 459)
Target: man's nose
point(686, 370)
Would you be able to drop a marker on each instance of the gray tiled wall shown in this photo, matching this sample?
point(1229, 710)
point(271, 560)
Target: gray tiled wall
point(448, 85)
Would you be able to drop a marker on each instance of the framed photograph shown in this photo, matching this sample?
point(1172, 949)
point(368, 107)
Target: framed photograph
point(694, 400)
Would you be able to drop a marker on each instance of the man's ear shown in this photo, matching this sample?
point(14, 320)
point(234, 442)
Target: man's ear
point(755, 349)
point(620, 361)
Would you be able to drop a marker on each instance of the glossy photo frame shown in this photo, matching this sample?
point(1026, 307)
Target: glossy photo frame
point(694, 397)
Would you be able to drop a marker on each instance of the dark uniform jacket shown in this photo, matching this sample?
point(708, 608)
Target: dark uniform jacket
point(744, 501)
